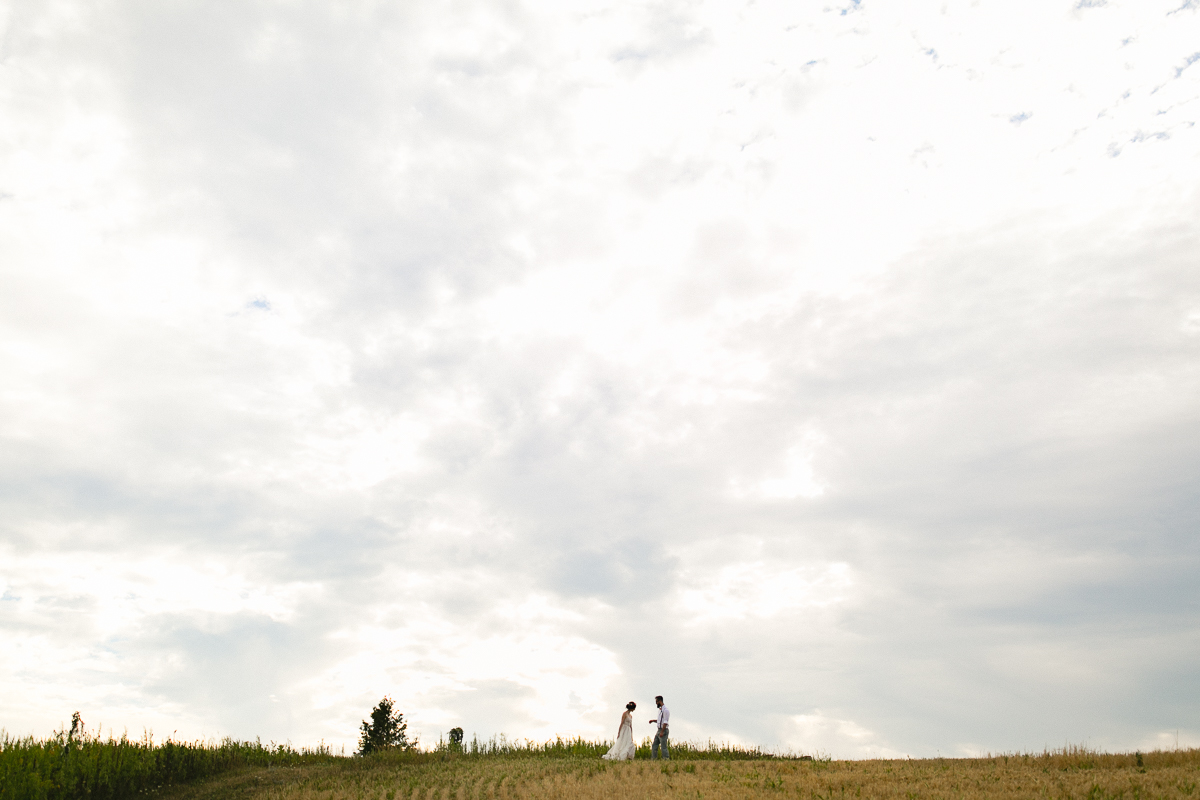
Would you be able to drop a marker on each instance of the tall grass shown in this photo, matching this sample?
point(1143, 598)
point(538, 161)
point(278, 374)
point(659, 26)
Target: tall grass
point(525, 771)
point(579, 747)
point(76, 764)
point(1082, 757)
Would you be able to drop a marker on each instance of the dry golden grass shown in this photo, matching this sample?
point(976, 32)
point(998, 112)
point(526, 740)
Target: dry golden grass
point(1074, 773)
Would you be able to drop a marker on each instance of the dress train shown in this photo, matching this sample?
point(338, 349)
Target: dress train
point(623, 748)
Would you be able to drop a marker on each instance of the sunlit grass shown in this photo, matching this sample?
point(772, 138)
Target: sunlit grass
point(76, 765)
point(501, 746)
point(1069, 773)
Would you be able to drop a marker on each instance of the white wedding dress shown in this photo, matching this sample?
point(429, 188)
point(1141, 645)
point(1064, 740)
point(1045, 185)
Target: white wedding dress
point(623, 749)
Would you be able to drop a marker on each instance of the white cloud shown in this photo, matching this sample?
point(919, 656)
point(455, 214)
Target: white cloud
point(520, 361)
point(529, 669)
point(824, 736)
point(760, 589)
point(796, 479)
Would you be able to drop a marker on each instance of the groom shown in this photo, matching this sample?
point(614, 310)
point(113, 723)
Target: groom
point(664, 729)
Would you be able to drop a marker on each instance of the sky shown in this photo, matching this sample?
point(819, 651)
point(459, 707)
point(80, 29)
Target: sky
point(831, 369)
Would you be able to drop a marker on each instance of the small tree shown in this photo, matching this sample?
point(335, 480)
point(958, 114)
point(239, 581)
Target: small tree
point(386, 730)
point(456, 735)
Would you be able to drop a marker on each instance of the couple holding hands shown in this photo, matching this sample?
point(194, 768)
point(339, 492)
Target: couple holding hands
point(624, 748)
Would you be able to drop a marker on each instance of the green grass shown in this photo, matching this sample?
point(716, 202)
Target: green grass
point(500, 746)
point(78, 765)
point(74, 764)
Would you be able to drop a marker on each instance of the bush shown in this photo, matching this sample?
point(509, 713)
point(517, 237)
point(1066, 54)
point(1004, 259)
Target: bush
point(386, 730)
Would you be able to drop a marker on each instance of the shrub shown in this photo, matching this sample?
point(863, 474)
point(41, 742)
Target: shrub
point(386, 730)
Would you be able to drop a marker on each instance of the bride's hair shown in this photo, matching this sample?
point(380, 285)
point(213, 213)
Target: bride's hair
point(631, 705)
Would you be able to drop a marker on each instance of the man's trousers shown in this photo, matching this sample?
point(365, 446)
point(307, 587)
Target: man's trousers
point(661, 738)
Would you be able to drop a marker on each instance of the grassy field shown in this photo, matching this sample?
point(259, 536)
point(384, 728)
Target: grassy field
point(80, 765)
point(1072, 773)
point(76, 765)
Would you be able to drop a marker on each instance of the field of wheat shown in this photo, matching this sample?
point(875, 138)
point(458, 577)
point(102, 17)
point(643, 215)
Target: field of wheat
point(1070, 773)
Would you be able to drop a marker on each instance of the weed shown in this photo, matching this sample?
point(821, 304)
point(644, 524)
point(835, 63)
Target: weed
point(74, 763)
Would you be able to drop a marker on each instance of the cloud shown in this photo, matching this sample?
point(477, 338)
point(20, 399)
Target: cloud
point(522, 361)
point(817, 734)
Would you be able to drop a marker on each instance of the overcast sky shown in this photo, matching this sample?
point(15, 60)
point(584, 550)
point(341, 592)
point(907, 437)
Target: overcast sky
point(832, 369)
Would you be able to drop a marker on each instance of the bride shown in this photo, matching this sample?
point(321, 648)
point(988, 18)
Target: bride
point(622, 749)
